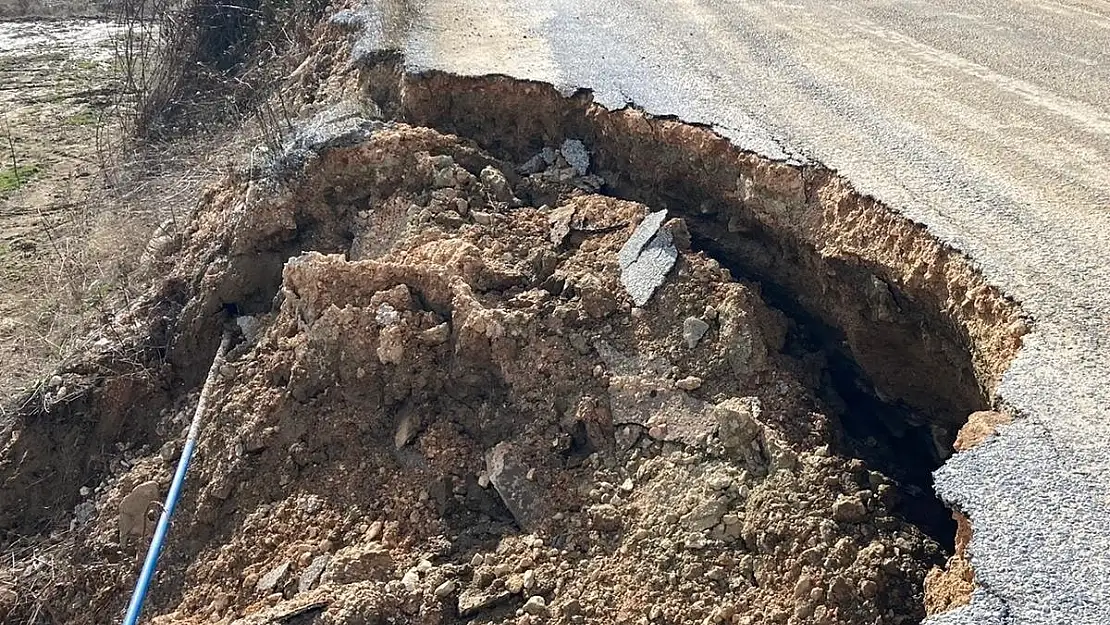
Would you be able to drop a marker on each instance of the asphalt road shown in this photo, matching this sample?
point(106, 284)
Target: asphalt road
point(988, 121)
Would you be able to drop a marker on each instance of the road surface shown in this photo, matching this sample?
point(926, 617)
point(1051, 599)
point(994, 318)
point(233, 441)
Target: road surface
point(987, 121)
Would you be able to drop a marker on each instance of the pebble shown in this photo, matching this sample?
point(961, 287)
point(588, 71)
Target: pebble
point(696, 541)
point(445, 589)
point(220, 603)
point(424, 566)
point(375, 531)
point(689, 383)
point(313, 572)
point(536, 606)
point(271, 579)
point(848, 509)
point(411, 580)
point(436, 335)
point(692, 330)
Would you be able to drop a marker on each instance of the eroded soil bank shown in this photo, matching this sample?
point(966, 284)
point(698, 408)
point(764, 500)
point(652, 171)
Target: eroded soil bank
point(451, 402)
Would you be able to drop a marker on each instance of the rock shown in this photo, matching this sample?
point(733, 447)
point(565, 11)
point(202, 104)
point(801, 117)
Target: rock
point(411, 580)
point(437, 335)
point(695, 542)
point(706, 515)
point(604, 517)
point(84, 512)
point(364, 561)
point(312, 572)
point(689, 383)
point(692, 331)
point(738, 428)
point(572, 608)
point(472, 601)
point(496, 183)
point(133, 521)
point(560, 220)
point(482, 218)
point(646, 258)
point(449, 219)
point(509, 475)
point(445, 589)
point(849, 509)
point(408, 426)
point(536, 606)
point(375, 531)
point(271, 579)
point(534, 165)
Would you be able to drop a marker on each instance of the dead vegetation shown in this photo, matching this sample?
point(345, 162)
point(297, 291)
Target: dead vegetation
point(138, 133)
point(206, 62)
point(54, 9)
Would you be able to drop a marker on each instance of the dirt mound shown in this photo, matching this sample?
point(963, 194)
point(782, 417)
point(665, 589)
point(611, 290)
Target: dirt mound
point(447, 407)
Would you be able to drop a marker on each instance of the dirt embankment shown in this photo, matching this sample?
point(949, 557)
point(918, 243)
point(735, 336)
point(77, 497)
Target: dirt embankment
point(473, 385)
point(464, 415)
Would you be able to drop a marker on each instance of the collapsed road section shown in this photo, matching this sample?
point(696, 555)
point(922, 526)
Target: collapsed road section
point(508, 356)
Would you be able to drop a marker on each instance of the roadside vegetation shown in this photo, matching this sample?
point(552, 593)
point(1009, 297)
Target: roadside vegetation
point(115, 124)
point(24, 9)
point(15, 177)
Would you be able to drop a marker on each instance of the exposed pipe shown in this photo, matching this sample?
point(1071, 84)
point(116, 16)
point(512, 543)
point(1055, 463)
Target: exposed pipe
point(135, 607)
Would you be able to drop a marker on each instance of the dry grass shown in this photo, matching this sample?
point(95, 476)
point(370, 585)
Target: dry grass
point(151, 152)
point(202, 63)
point(24, 9)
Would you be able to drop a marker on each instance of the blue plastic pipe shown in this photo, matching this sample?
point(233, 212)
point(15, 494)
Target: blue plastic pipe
point(150, 565)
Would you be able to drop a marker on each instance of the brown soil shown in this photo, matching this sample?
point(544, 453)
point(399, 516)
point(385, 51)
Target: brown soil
point(461, 339)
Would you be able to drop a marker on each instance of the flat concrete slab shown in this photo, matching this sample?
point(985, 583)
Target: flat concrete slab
point(987, 121)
